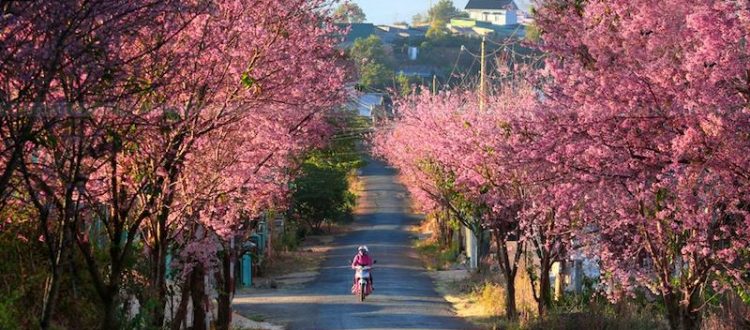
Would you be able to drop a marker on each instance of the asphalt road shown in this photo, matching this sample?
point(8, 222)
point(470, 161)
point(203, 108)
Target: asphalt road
point(404, 296)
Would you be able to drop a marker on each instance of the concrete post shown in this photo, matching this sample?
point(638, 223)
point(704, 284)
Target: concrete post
point(247, 277)
point(472, 248)
point(578, 276)
point(560, 280)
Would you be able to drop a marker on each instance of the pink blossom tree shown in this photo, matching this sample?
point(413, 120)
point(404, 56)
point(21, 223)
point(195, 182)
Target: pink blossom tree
point(273, 71)
point(248, 175)
point(62, 61)
point(482, 165)
point(654, 98)
point(149, 87)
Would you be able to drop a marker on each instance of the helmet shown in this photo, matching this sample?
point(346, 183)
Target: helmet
point(363, 249)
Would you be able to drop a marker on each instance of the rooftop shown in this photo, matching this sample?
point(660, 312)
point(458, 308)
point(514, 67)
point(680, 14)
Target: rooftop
point(357, 30)
point(490, 4)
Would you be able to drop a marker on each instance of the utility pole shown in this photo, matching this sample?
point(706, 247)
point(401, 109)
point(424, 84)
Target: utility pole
point(482, 83)
point(434, 84)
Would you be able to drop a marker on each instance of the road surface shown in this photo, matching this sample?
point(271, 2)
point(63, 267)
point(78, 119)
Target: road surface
point(404, 296)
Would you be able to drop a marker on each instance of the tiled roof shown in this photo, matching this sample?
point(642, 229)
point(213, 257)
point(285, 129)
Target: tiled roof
point(490, 4)
point(358, 30)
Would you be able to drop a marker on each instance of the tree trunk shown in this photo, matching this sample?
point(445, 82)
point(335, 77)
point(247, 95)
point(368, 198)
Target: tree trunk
point(110, 313)
point(11, 165)
point(52, 288)
point(158, 277)
point(225, 292)
point(680, 314)
point(179, 316)
point(198, 295)
point(509, 273)
point(111, 294)
point(510, 300)
point(545, 292)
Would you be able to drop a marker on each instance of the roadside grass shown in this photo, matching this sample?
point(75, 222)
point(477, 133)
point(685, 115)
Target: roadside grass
point(286, 262)
point(356, 185)
point(480, 297)
point(436, 257)
point(304, 258)
point(433, 254)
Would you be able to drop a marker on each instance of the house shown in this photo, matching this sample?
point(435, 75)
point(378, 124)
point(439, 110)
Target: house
point(356, 31)
point(369, 103)
point(387, 33)
point(418, 71)
point(392, 33)
point(471, 27)
point(501, 12)
point(403, 31)
point(498, 12)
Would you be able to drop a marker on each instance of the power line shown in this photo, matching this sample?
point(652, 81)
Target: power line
point(455, 65)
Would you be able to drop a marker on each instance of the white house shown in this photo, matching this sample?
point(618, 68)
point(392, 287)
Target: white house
point(368, 103)
point(498, 12)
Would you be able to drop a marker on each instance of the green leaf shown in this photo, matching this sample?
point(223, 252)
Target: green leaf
point(247, 81)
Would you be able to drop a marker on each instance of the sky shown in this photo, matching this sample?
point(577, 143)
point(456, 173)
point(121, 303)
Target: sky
point(389, 11)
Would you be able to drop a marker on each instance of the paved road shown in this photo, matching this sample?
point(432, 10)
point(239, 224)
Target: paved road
point(404, 297)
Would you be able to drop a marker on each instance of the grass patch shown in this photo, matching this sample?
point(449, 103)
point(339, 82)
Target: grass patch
point(600, 316)
point(436, 257)
point(480, 299)
point(288, 262)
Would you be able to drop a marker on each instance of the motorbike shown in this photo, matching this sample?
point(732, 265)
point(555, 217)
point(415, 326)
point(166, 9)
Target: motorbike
point(362, 286)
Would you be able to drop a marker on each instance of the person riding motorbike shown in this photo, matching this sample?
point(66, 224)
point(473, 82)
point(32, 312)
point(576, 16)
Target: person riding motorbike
point(362, 258)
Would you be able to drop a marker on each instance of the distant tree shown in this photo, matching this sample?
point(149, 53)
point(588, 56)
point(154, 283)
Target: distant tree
point(369, 49)
point(403, 84)
point(372, 61)
point(350, 13)
point(533, 34)
point(375, 75)
point(444, 10)
point(321, 192)
point(439, 15)
point(437, 30)
point(418, 19)
point(321, 196)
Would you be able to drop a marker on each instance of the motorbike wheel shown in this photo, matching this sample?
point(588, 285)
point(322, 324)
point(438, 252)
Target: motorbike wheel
point(362, 288)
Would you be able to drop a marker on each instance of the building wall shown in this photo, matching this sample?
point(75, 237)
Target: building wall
point(511, 17)
point(497, 17)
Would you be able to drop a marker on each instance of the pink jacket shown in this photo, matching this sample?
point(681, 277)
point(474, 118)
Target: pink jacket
point(361, 260)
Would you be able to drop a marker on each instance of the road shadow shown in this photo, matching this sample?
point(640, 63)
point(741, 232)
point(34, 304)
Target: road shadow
point(404, 297)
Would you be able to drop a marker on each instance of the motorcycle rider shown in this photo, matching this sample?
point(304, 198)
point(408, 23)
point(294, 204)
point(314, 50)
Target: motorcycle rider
point(362, 258)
